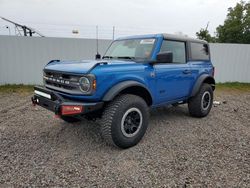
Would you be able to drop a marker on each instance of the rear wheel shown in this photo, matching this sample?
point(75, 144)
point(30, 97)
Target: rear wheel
point(125, 121)
point(70, 119)
point(201, 104)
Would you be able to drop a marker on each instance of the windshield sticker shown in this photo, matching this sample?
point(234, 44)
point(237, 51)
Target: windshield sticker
point(147, 41)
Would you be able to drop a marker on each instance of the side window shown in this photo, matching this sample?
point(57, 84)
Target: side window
point(199, 51)
point(177, 48)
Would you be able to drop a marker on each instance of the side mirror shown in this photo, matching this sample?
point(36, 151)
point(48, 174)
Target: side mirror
point(97, 56)
point(165, 57)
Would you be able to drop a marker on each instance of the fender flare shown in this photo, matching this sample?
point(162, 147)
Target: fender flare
point(199, 82)
point(116, 89)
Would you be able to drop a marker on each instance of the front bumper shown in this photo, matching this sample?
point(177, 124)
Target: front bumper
point(54, 102)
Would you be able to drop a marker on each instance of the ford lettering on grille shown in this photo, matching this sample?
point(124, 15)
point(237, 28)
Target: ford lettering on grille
point(57, 80)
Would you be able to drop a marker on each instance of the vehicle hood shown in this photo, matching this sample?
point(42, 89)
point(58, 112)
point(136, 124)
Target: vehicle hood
point(81, 67)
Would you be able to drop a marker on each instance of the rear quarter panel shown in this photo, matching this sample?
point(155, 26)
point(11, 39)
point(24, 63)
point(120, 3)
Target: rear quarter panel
point(199, 68)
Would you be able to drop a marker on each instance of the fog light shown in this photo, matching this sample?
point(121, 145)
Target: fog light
point(69, 110)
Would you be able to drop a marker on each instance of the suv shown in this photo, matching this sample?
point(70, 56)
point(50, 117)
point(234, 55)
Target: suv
point(135, 74)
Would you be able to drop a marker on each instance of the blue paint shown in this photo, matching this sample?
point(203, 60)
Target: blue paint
point(166, 82)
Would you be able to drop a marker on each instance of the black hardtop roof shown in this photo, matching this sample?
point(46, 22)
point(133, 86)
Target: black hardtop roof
point(182, 38)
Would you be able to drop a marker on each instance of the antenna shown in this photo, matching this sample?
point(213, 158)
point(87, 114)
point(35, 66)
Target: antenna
point(26, 30)
point(97, 39)
point(113, 37)
point(97, 56)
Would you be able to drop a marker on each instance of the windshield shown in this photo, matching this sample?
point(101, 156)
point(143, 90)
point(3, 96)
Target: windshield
point(130, 49)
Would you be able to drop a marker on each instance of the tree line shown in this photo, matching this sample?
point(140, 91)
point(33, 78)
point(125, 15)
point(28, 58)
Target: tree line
point(235, 29)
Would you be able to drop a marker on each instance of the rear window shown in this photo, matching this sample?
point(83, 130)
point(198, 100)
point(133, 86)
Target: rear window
point(199, 51)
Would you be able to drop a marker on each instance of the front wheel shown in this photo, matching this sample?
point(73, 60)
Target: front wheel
point(201, 104)
point(125, 121)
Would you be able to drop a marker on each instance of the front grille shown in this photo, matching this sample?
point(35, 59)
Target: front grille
point(62, 82)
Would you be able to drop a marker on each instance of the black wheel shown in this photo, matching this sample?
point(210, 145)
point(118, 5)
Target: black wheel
point(201, 104)
point(125, 121)
point(70, 119)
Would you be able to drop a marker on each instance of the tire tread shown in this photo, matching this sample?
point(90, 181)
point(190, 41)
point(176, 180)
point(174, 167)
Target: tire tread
point(109, 115)
point(194, 104)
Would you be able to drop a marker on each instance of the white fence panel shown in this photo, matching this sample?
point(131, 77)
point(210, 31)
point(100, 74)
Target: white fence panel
point(23, 58)
point(231, 61)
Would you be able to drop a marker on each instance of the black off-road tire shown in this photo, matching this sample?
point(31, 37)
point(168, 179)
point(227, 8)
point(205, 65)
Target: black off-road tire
point(196, 105)
point(122, 109)
point(70, 119)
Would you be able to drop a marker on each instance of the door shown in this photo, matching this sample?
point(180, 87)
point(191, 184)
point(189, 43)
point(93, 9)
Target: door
point(173, 80)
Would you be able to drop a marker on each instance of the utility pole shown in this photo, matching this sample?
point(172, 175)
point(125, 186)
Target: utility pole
point(26, 30)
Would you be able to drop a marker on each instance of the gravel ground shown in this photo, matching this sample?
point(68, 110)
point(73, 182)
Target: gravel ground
point(38, 150)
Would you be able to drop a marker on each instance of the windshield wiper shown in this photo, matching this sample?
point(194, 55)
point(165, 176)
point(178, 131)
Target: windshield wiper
point(107, 57)
point(125, 57)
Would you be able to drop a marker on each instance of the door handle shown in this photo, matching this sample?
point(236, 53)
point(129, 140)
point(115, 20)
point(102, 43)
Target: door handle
point(187, 72)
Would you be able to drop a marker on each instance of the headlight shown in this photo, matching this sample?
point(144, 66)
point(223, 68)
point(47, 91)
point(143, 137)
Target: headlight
point(84, 83)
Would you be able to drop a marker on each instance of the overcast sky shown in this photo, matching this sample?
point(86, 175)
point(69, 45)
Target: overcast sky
point(59, 17)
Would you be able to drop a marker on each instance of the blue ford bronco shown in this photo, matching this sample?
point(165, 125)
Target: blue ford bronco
point(135, 74)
